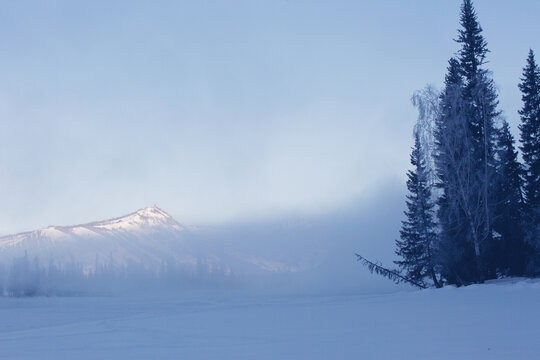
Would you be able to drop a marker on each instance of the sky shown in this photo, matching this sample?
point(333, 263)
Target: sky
point(221, 111)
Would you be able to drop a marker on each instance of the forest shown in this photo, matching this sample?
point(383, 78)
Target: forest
point(473, 202)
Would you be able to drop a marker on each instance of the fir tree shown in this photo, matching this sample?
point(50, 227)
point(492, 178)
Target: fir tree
point(474, 47)
point(508, 251)
point(530, 148)
point(480, 111)
point(417, 234)
point(466, 139)
point(453, 163)
point(478, 233)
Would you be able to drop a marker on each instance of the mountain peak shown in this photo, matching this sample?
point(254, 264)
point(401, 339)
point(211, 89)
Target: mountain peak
point(144, 236)
point(152, 212)
point(146, 217)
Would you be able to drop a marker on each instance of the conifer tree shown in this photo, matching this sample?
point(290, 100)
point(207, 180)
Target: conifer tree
point(508, 251)
point(480, 111)
point(473, 45)
point(453, 161)
point(530, 148)
point(481, 190)
point(416, 246)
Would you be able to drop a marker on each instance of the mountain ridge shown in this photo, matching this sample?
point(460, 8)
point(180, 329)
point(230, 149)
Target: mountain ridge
point(148, 237)
point(147, 217)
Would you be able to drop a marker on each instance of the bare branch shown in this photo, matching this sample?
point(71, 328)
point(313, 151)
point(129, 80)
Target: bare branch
point(377, 268)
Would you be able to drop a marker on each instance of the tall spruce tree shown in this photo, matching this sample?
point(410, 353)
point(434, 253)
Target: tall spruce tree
point(507, 254)
point(466, 139)
point(480, 204)
point(453, 140)
point(418, 231)
point(480, 110)
point(473, 45)
point(530, 148)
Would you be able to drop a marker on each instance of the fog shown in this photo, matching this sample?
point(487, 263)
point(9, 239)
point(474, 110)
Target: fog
point(288, 254)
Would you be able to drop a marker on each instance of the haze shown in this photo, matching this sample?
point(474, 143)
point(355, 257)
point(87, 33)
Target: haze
point(219, 112)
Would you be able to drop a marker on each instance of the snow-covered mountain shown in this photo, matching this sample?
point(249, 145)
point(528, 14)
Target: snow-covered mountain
point(148, 237)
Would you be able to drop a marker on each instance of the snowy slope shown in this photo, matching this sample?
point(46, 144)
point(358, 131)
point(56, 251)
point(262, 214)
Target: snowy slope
point(492, 321)
point(145, 236)
point(148, 237)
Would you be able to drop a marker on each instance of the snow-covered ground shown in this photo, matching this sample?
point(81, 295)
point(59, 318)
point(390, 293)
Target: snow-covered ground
point(492, 321)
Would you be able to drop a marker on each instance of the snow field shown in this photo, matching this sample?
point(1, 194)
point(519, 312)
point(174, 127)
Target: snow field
point(492, 321)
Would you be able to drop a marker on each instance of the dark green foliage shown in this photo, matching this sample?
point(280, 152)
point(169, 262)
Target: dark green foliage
point(417, 235)
point(473, 45)
point(487, 205)
point(530, 148)
point(453, 161)
point(507, 254)
point(480, 205)
point(466, 139)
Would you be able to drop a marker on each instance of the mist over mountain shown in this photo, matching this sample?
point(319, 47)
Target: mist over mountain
point(289, 253)
point(146, 236)
point(149, 238)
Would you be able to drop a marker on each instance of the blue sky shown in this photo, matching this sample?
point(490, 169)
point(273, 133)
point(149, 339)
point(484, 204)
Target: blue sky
point(223, 110)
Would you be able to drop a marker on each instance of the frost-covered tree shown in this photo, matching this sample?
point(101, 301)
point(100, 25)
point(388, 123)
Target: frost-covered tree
point(482, 115)
point(530, 148)
point(479, 175)
point(418, 231)
point(457, 211)
point(427, 103)
point(477, 184)
point(25, 277)
point(467, 140)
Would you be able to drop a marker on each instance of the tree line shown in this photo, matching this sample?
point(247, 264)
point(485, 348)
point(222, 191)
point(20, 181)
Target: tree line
point(472, 208)
point(26, 276)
